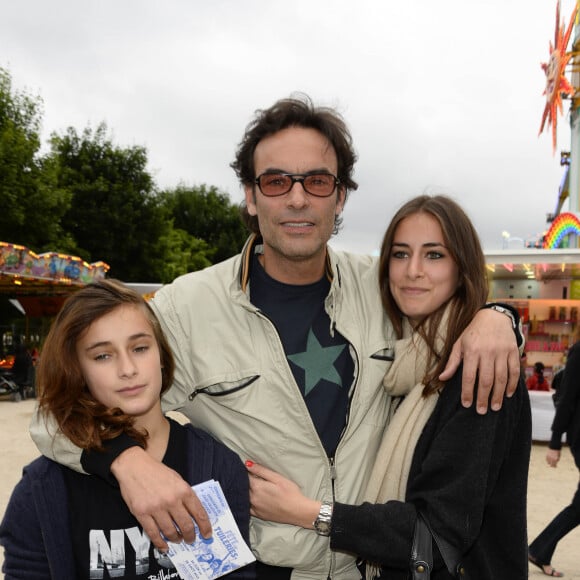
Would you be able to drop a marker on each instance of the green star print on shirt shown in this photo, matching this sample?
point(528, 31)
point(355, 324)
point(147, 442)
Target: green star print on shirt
point(318, 363)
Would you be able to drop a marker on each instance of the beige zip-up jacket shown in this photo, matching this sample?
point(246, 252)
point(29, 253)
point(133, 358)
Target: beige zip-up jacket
point(233, 380)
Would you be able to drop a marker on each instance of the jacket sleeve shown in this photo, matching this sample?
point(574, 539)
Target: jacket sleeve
point(53, 444)
point(234, 481)
point(568, 400)
point(455, 467)
point(25, 556)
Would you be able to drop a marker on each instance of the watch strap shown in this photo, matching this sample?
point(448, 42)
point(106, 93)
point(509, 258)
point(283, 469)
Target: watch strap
point(323, 523)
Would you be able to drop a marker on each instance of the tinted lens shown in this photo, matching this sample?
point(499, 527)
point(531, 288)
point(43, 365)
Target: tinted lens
point(319, 184)
point(274, 183)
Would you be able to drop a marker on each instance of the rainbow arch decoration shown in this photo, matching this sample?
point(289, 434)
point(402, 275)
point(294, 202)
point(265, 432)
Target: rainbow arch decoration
point(564, 224)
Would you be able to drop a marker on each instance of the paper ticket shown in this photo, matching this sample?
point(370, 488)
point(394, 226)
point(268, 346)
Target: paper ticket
point(224, 552)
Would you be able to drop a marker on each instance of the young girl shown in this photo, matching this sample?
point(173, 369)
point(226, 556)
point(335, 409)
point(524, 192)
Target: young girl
point(104, 366)
point(466, 473)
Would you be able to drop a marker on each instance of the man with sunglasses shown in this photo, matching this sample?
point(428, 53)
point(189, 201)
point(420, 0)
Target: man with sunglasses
point(281, 350)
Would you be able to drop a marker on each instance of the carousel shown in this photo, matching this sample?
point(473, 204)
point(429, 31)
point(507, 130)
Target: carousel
point(32, 290)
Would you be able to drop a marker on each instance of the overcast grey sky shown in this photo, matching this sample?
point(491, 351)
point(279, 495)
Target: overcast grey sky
point(443, 97)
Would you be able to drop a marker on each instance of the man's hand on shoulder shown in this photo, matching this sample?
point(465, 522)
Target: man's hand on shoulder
point(490, 355)
point(159, 498)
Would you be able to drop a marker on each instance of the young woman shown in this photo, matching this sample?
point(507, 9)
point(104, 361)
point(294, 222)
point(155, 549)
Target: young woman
point(466, 473)
point(103, 368)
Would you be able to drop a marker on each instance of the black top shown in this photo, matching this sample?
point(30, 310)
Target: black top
point(36, 529)
point(469, 476)
point(108, 541)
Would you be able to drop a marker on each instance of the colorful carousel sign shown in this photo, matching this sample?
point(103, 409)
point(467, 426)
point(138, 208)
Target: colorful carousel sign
point(40, 282)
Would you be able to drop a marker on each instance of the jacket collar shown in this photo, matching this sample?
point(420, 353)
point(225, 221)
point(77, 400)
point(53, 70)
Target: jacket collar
point(253, 244)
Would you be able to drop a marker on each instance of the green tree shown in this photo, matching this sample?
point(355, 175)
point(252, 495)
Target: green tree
point(31, 202)
point(207, 214)
point(181, 253)
point(115, 214)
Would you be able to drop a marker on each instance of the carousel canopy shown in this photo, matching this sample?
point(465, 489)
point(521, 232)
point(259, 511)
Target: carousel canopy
point(41, 282)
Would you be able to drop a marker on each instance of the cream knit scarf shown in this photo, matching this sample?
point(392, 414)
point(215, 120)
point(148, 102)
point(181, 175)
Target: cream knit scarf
point(388, 480)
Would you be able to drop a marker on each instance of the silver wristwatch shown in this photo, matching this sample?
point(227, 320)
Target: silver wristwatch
point(505, 311)
point(323, 522)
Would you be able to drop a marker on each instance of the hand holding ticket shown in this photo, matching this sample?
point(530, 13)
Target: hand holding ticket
point(224, 552)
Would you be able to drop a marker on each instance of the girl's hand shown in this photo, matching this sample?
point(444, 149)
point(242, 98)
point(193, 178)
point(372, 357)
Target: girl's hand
point(275, 498)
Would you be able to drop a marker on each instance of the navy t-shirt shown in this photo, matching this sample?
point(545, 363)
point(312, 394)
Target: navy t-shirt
point(321, 363)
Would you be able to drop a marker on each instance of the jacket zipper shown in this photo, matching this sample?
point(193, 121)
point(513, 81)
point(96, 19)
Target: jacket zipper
point(332, 469)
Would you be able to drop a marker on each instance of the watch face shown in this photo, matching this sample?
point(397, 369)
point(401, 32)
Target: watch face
point(322, 527)
point(322, 523)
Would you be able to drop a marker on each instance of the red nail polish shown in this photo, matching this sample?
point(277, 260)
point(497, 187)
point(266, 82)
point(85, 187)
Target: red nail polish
point(249, 463)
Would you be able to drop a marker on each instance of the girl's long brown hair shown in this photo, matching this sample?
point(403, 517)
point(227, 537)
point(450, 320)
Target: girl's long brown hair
point(62, 388)
point(463, 243)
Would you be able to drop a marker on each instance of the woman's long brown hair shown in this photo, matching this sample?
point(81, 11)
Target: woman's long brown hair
point(463, 244)
point(61, 385)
